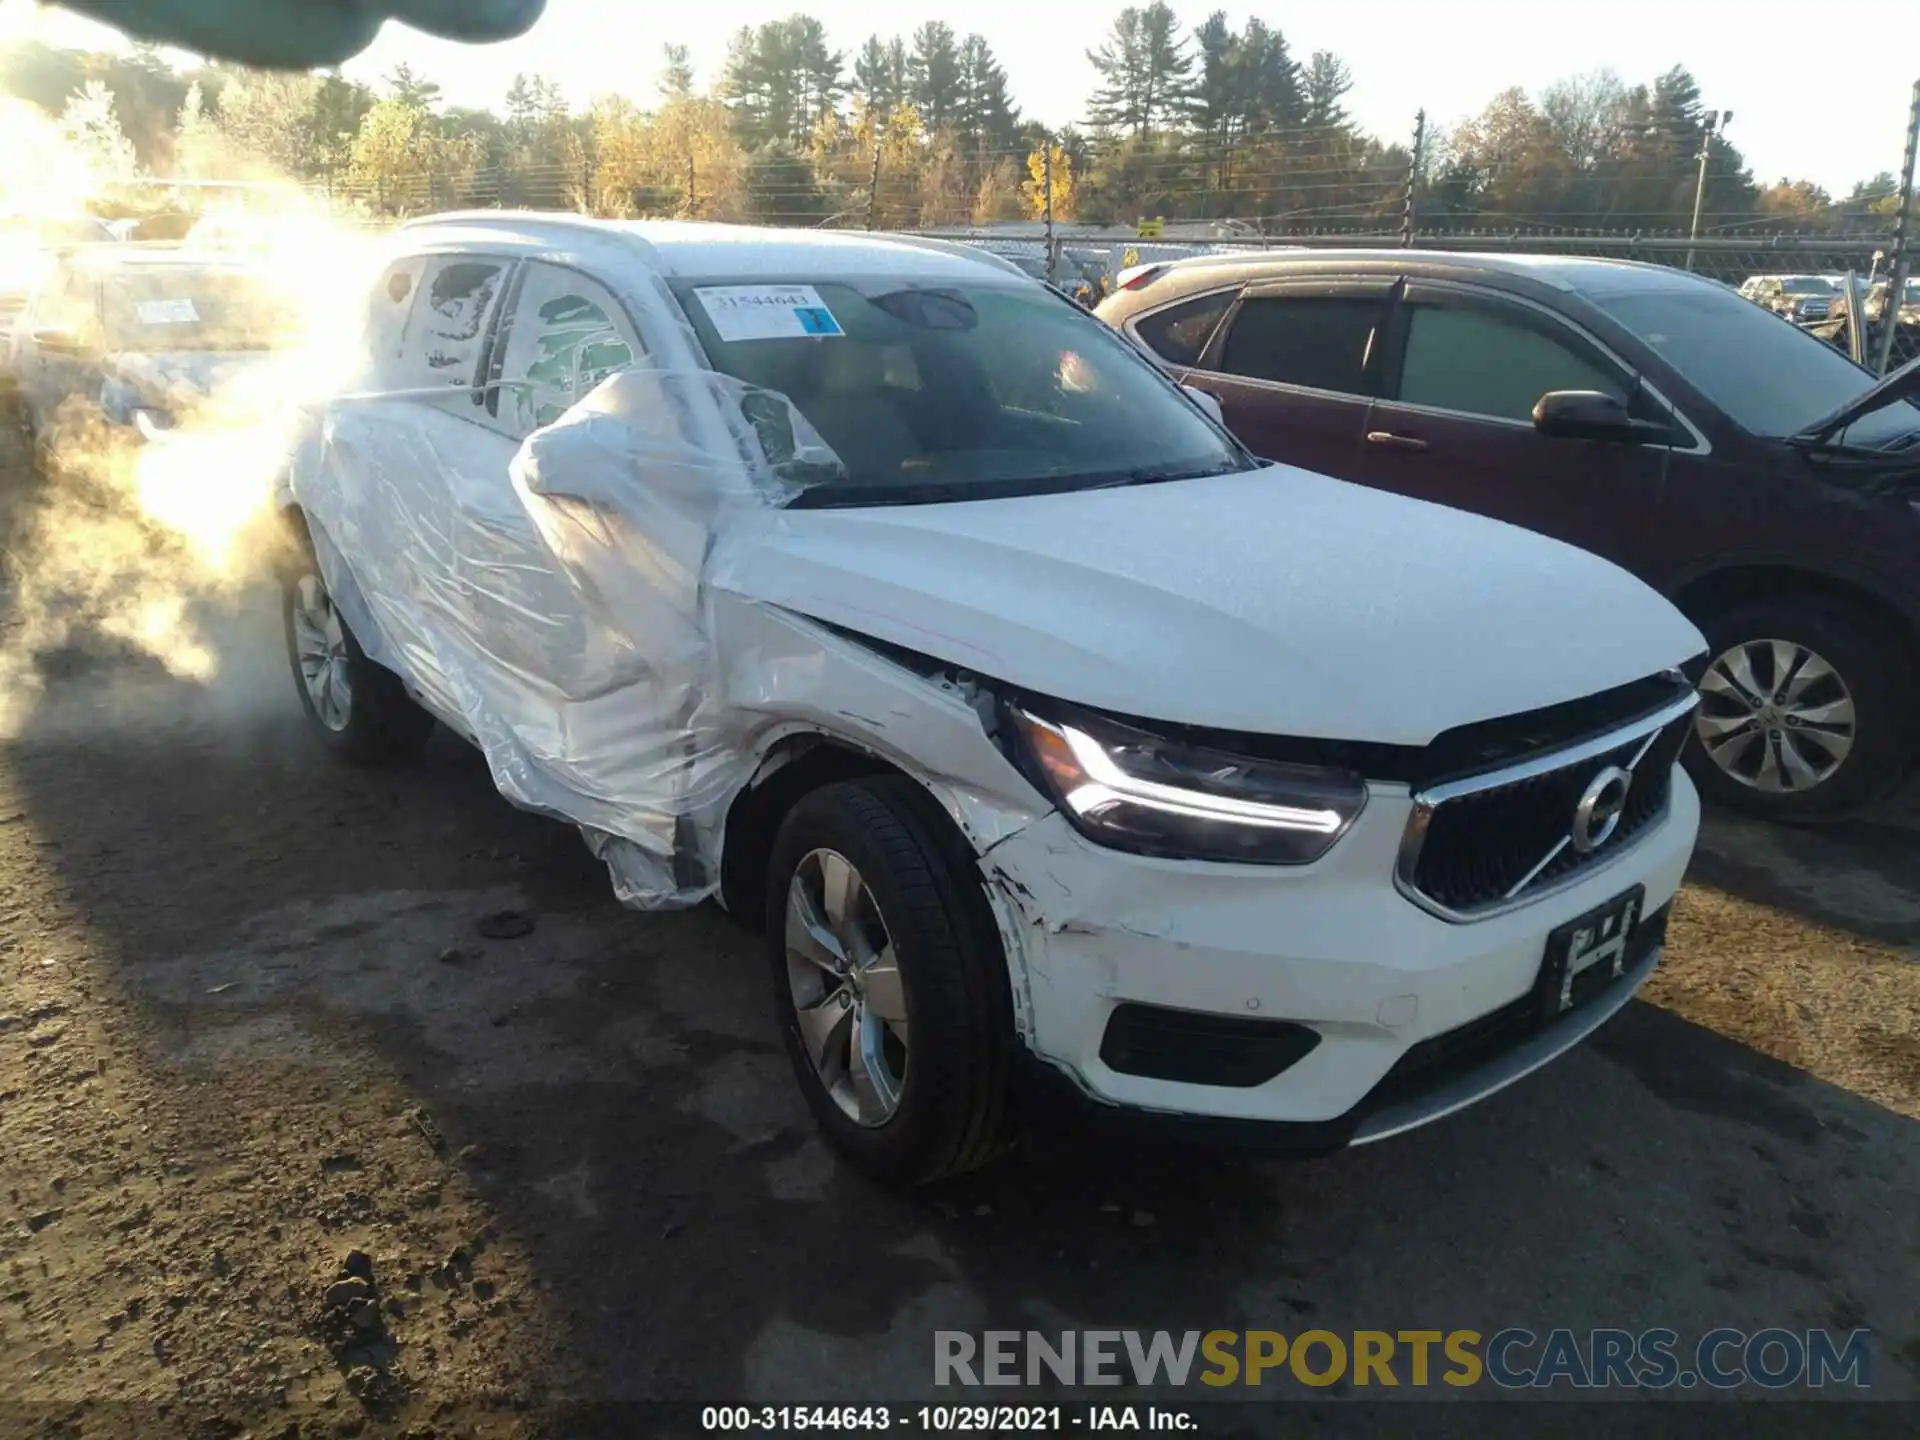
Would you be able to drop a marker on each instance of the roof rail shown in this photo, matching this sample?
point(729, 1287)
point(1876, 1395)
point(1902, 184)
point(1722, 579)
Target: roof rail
point(442, 217)
point(960, 249)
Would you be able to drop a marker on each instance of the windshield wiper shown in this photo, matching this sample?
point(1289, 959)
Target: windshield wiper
point(832, 496)
point(1148, 475)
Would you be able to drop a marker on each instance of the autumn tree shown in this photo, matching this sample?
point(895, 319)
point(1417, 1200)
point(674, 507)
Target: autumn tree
point(400, 159)
point(271, 115)
point(91, 132)
point(680, 160)
point(1055, 191)
point(1796, 202)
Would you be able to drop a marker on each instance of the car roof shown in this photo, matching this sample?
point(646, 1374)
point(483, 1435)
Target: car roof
point(1580, 274)
point(699, 250)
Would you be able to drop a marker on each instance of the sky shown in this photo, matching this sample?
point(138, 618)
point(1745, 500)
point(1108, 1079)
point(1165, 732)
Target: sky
point(1796, 113)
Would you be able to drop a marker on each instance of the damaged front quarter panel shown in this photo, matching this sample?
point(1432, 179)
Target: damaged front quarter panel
point(790, 680)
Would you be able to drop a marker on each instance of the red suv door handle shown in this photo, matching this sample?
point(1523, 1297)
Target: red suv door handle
point(1398, 442)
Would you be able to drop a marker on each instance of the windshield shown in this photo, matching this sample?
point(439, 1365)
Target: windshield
point(180, 308)
point(1769, 376)
point(956, 392)
point(1808, 285)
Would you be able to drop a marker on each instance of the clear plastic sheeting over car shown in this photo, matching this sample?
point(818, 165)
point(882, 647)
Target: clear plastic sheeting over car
point(565, 624)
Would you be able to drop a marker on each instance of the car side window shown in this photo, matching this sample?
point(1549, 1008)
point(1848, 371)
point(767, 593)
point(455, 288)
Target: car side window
point(1179, 333)
point(566, 334)
point(447, 325)
point(66, 302)
point(389, 304)
point(1479, 362)
point(1318, 341)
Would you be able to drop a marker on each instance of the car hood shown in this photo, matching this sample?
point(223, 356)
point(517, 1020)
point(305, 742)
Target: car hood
point(172, 377)
point(1275, 601)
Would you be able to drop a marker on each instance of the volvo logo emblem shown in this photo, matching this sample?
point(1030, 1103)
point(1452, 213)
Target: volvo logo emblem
point(1597, 815)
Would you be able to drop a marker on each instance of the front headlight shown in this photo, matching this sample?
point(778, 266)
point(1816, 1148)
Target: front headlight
point(1131, 790)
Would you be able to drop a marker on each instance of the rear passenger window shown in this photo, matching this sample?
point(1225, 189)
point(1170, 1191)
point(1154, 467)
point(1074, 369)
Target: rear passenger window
point(447, 327)
point(567, 334)
point(1319, 342)
point(1179, 333)
point(388, 305)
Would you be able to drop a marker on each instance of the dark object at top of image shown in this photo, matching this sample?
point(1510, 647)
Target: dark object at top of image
point(304, 34)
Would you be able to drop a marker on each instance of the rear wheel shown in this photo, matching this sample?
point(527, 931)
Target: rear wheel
point(889, 981)
point(1805, 709)
point(360, 710)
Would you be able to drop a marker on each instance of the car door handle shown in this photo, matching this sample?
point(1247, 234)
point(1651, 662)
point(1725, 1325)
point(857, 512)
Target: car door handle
point(1398, 442)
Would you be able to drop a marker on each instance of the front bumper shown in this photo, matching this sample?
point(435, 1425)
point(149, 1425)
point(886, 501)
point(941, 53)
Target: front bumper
point(1331, 947)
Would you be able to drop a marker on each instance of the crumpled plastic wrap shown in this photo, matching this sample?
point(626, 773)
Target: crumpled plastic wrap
point(563, 621)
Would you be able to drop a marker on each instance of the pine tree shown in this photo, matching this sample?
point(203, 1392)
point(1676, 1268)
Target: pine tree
point(986, 116)
point(820, 71)
point(880, 74)
point(1326, 80)
point(1218, 98)
point(1145, 72)
point(762, 85)
point(934, 74)
point(676, 76)
point(1269, 81)
point(411, 90)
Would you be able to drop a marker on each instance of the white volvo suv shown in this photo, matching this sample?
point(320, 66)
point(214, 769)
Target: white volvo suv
point(1065, 751)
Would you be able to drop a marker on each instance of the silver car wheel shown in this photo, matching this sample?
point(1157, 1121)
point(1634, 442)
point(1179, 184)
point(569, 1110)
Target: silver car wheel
point(1775, 716)
point(845, 981)
point(320, 650)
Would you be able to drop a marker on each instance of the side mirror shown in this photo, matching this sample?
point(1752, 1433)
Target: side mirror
point(56, 341)
point(1594, 415)
point(1207, 403)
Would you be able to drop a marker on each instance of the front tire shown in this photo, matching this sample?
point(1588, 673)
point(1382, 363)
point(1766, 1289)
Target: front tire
point(1805, 709)
point(360, 711)
point(890, 981)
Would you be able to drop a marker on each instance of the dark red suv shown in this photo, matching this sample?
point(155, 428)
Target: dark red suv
point(1755, 475)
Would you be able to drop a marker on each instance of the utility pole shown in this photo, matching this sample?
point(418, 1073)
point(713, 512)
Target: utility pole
point(1700, 189)
point(1902, 230)
point(873, 182)
point(1046, 203)
point(1409, 215)
point(692, 206)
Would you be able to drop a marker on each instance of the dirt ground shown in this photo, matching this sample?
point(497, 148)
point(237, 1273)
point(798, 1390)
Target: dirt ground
point(289, 1147)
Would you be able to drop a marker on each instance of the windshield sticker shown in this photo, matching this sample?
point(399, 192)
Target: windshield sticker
point(166, 312)
point(767, 312)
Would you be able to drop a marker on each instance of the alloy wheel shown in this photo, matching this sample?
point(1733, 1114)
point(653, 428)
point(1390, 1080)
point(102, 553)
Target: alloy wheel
point(1775, 716)
point(845, 981)
point(320, 650)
